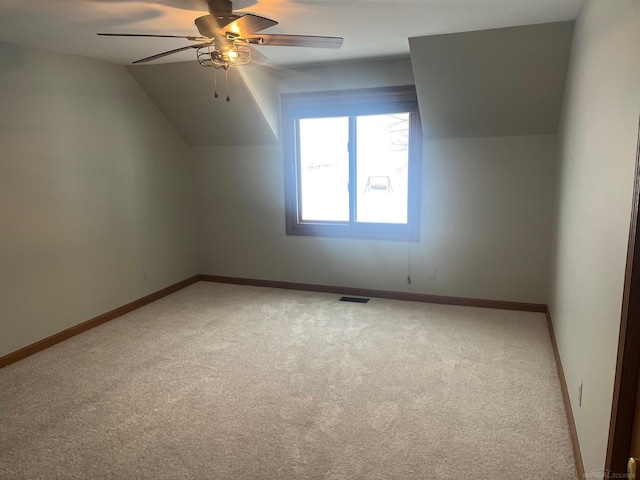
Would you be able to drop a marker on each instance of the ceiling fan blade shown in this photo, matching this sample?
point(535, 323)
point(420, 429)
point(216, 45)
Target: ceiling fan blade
point(296, 41)
point(170, 52)
point(248, 25)
point(257, 57)
point(195, 39)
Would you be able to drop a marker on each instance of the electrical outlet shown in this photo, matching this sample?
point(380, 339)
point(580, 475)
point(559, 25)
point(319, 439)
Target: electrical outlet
point(145, 274)
point(432, 272)
point(580, 394)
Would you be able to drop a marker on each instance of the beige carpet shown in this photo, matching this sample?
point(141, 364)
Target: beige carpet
point(229, 382)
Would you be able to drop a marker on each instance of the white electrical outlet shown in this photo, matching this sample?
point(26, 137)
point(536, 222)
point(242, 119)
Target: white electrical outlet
point(580, 394)
point(145, 274)
point(432, 272)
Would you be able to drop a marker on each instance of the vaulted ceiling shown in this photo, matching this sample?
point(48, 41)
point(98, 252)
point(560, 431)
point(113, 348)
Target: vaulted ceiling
point(371, 28)
point(481, 67)
point(487, 83)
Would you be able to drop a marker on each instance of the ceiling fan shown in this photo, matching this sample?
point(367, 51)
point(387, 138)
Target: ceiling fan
point(226, 39)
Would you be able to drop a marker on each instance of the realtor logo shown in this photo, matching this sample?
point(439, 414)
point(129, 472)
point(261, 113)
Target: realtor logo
point(604, 474)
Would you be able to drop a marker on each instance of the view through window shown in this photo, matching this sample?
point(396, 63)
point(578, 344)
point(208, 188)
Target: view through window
point(381, 165)
point(350, 174)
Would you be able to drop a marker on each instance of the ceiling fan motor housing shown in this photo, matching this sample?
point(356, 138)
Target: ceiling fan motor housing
point(220, 7)
point(209, 26)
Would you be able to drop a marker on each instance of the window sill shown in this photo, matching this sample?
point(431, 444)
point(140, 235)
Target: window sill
point(359, 231)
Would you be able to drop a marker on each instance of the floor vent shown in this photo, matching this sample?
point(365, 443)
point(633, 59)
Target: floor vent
point(354, 299)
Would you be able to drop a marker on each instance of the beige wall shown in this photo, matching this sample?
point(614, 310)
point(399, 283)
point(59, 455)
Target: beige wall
point(486, 217)
point(597, 151)
point(487, 210)
point(94, 185)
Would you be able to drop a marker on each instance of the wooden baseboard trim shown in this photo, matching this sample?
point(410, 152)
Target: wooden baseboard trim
point(94, 322)
point(365, 292)
point(567, 401)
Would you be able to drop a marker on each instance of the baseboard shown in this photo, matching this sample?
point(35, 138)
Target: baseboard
point(567, 400)
point(365, 292)
point(94, 322)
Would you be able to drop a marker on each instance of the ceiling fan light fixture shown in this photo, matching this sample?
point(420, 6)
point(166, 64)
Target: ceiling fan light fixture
point(234, 55)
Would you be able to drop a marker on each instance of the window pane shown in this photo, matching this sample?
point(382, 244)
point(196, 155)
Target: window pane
point(382, 163)
point(324, 168)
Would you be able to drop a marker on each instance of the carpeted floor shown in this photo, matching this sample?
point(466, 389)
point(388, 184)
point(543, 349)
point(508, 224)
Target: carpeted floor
point(230, 382)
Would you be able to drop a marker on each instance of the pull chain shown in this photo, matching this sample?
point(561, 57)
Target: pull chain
point(215, 76)
point(226, 74)
point(215, 83)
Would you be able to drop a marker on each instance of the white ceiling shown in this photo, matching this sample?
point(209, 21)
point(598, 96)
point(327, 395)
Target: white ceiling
point(371, 28)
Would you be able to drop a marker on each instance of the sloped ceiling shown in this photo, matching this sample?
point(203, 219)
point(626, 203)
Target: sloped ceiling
point(184, 93)
point(506, 81)
point(379, 72)
point(371, 28)
point(500, 82)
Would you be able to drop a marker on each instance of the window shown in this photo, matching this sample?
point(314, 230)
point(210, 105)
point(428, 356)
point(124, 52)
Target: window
point(352, 163)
